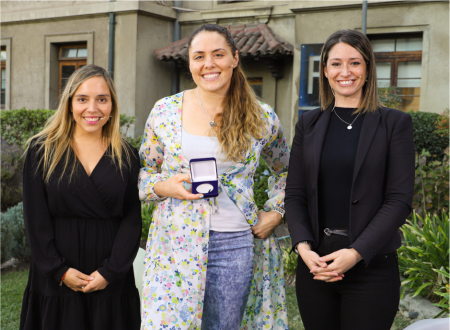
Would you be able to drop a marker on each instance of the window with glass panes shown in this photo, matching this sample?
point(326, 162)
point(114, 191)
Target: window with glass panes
point(71, 57)
point(3, 68)
point(399, 68)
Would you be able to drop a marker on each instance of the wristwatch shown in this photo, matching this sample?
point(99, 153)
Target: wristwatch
point(279, 210)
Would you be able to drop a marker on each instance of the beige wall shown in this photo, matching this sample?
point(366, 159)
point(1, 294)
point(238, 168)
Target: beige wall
point(430, 18)
point(153, 77)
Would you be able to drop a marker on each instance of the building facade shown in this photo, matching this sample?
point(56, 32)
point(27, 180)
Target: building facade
point(43, 42)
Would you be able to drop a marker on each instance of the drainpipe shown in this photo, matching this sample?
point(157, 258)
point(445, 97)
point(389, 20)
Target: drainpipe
point(364, 18)
point(112, 36)
point(176, 36)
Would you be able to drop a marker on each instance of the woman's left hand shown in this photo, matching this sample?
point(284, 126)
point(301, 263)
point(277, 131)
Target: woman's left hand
point(343, 260)
point(267, 222)
point(98, 283)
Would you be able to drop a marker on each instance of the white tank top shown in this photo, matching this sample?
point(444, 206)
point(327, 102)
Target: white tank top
point(228, 218)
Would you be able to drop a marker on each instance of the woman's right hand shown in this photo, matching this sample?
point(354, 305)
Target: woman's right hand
point(76, 280)
point(311, 259)
point(173, 187)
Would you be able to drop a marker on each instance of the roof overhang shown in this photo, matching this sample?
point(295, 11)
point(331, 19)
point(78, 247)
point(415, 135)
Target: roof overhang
point(252, 41)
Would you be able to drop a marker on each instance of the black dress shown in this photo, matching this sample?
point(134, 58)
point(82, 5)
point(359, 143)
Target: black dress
point(88, 223)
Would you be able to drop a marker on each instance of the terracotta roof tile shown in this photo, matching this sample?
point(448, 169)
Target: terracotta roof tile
point(250, 40)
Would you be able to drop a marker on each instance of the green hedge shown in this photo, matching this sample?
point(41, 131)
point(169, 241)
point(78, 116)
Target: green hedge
point(425, 137)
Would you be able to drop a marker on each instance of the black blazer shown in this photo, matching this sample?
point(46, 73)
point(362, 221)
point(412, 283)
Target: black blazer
point(382, 187)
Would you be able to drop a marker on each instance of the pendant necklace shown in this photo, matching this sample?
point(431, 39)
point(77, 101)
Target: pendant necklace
point(349, 124)
point(212, 123)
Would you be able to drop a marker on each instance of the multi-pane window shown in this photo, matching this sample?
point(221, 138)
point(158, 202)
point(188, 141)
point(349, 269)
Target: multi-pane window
point(3, 68)
point(399, 68)
point(71, 57)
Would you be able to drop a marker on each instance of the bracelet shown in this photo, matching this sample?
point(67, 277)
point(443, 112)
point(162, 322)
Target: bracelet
point(62, 278)
point(278, 209)
point(302, 242)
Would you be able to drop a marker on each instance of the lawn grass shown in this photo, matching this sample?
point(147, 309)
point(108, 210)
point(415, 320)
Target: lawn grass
point(13, 286)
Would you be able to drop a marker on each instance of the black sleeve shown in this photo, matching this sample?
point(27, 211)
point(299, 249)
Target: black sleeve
point(397, 203)
point(38, 222)
point(296, 200)
point(126, 243)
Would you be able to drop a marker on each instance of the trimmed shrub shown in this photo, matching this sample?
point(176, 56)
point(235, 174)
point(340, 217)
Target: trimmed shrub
point(19, 125)
point(424, 125)
point(14, 239)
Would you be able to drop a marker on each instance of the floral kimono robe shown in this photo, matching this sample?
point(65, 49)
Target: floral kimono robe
point(177, 247)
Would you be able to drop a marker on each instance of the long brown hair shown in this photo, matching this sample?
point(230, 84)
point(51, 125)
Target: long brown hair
point(54, 141)
point(242, 117)
point(370, 101)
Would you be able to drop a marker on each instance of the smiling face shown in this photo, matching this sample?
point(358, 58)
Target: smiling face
point(211, 62)
point(346, 71)
point(90, 103)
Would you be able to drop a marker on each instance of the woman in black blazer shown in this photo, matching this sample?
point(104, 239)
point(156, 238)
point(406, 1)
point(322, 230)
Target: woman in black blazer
point(349, 189)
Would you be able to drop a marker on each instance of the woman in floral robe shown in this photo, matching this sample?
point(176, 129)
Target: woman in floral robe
point(176, 259)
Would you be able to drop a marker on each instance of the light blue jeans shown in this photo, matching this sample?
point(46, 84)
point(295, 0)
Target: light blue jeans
point(228, 279)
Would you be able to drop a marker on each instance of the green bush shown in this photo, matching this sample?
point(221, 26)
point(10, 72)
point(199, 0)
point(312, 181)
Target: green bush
point(442, 124)
point(424, 126)
point(431, 185)
point(289, 259)
point(14, 240)
point(260, 184)
point(11, 177)
point(423, 259)
point(19, 125)
point(147, 213)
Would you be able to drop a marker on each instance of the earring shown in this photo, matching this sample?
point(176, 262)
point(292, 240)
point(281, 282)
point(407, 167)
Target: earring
point(231, 65)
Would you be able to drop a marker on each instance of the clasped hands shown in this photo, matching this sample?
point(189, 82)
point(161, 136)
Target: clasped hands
point(342, 261)
point(78, 281)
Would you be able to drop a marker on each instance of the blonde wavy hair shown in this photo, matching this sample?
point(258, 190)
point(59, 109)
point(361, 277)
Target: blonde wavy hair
point(55, 140)
point(242, 115)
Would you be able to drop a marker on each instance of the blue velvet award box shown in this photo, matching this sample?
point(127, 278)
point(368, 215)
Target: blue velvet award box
point(204, 177)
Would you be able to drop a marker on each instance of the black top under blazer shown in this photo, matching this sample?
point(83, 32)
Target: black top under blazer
point(382, 186)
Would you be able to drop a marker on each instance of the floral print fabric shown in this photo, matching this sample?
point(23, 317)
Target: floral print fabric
point(177, 247)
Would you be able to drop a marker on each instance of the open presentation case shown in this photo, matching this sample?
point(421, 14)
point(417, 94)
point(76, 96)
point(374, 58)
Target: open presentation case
point(204, 177)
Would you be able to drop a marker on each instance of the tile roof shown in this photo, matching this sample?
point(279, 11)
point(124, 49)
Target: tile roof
point(251, 41)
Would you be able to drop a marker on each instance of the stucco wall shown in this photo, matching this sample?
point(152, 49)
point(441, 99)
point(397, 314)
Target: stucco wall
point(153, 77)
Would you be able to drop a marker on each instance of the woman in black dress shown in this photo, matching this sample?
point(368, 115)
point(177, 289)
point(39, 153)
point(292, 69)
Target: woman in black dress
point(349, 189)
point(82, 214)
